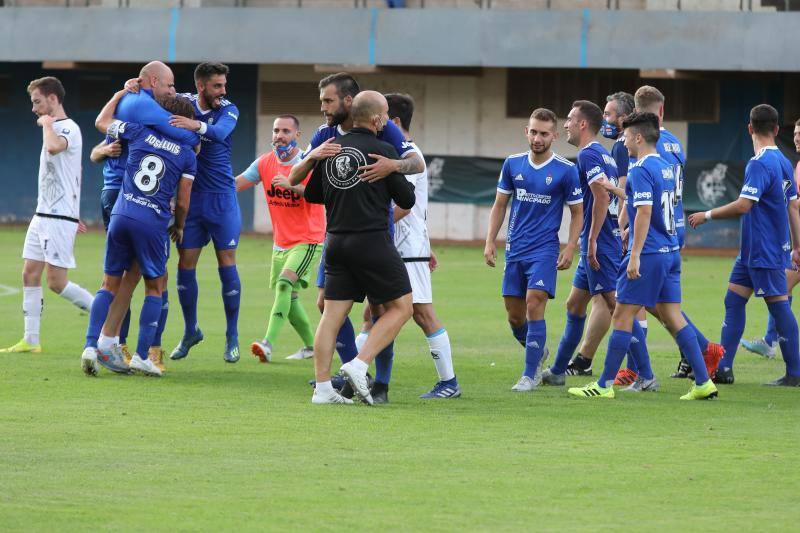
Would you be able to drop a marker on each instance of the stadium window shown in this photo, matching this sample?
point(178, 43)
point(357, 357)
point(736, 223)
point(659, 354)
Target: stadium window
point(94, 91)
point(299, 97)
point(695, 100)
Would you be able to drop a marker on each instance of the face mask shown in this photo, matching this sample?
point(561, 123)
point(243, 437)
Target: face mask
point(283, 151)
point(608, 130)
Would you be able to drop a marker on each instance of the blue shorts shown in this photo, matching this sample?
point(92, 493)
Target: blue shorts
point(212, 216)
point(321, 270)
point(538, 274)
point(108, 197)
point(764, 281)
point(130, 240)
point(597, 281)
point(660, 280)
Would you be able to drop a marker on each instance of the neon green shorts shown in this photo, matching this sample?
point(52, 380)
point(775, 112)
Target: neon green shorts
point(299, 259)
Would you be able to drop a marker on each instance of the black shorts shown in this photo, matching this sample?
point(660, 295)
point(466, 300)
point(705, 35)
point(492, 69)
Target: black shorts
point(364, 264)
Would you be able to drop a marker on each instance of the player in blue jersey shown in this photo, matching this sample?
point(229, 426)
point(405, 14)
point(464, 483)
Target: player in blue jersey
point(650, 272)
point(767, 345)
point(138, 231)
point(538, 183)
point(600, 246)
point(336, 93)
point(650, 99)
point(155, 83)
point(214, 214)
point(770, 243)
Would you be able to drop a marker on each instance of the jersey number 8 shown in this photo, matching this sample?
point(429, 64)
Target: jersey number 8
point(151, 169)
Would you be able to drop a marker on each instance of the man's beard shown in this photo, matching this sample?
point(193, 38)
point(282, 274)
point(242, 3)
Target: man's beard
point(337, 118)
point(210, 100)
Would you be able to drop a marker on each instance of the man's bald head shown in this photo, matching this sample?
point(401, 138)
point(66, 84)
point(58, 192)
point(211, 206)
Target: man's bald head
point(370, 110)
point(159, 78)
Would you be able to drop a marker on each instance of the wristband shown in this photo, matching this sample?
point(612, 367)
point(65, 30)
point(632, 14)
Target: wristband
point(708, 214)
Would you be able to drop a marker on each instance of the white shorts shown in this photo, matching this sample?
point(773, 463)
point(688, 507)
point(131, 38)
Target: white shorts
point(420, 275)
point(50, 241)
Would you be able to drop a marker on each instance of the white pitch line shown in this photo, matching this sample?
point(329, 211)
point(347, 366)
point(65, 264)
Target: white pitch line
point(5, 290)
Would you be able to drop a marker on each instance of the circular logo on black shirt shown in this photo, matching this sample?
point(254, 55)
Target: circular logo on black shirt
point(342, 169)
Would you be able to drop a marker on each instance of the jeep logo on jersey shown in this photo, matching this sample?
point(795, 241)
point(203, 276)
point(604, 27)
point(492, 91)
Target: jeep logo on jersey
point(286, 194)
point(342, 169)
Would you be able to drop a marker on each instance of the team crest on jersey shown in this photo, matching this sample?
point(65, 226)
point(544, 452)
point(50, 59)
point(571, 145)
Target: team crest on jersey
point(342, 169)
point(711, 186)
point(211, 120)
point(549, 179)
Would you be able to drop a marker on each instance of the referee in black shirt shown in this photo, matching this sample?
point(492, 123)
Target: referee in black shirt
point(360, 257)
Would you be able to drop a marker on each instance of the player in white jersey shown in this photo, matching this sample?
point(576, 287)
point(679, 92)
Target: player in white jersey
point(51, 233)
point(413, 245)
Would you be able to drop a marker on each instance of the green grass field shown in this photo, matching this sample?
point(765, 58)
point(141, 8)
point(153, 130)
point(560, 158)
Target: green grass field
point(217, 446)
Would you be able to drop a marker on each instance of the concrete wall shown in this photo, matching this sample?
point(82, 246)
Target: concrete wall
point(487, 38)
point(455, 115)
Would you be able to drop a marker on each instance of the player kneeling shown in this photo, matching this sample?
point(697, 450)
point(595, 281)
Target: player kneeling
point(138, 232)
point(650, 273)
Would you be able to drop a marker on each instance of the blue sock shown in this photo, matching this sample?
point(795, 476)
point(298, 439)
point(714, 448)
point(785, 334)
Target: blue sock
point(383, 362)
point(732, 327)
point(569, 342)
point(638, 354)
point(772, 333)
point(534, 346)
point(162, 320)
point(687, 342)
point(786, 324)
point(702, 340)
point(618, 344)
point(148, 323)
point(231, 296)
point(631, 364)
point(520, 333)
point(97, 316)
point(125, 327)
point(346, 342)
point(187, 296)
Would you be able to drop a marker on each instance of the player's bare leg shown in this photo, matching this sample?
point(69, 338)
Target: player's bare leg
point(333, 316)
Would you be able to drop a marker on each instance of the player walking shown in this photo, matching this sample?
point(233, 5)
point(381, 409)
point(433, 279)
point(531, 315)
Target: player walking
point(767, 345)
point(770, 243)
point(298, 229)
point(601, 248)
point(650, 272)
point(538, 183)
point(50, 239)
point(138, 229)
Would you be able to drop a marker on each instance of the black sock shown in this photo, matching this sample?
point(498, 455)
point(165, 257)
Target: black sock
point(581, 362)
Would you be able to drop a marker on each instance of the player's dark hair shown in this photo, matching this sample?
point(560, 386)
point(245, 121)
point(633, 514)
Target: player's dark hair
point(644, 123)
point(624, 102)
point(178, 105)
point(591, 113)
point(346, 85)
point(545, 115)
point(47, 86)
point(764, 119)
point(292, 118)
point(204, 71)
point(401, 106)
point(797, 122)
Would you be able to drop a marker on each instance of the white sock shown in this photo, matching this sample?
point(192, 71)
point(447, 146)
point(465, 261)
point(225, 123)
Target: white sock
point(32, 304)
point(105, 343)
point(439, 344)
point(324, 387)
point(77, 296)
point(361, 339)
point(359, 365)
point(643, 324)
